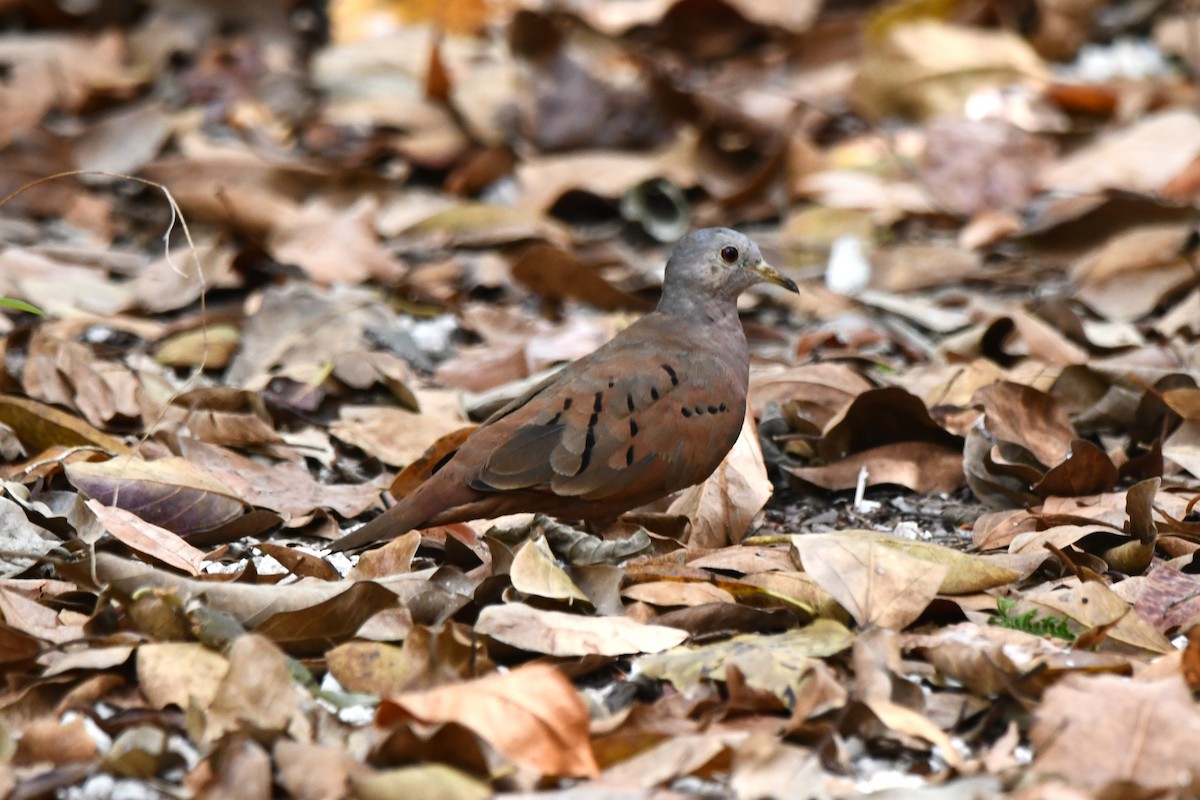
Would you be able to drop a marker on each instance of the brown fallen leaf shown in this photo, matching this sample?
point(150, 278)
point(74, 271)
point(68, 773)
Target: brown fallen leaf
point(419, 782)
point(1093, 605)
point(170, 492)
point(877, 584)
point(41, 426)
point(333, 244)
point(992, 660)
point(240, 768)
point(558, 274)
point(420, 469)
point(778, 663)
point(179, 673)
point(250, 604)
point(664, 762)
point(148, 539)
point(1168, 598)
point(532, 715)
point(1027, 417)
point(286, 487)
point(677, 593)
point(312, 629)
point(535, 571)
point(921, 466)
point(879, 689)
point(310, 771)
point(1099, 731)
point(428, 658)
point(924, 67)
point(393, 435)
point(255, 694)
point(1142, 157)
point(562, 635)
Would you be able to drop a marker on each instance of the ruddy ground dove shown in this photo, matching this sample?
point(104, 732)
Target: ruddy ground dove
point(653, 411)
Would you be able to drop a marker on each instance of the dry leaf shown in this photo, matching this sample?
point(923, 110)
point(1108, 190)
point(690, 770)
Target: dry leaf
point(532, 715)
point(555, 633)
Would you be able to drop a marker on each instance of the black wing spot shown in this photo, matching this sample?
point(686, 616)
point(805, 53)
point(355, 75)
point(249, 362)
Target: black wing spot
point(633, 428)
point(723, 407)
point(443, 461)
point(687, 412)
point(671, 371)
point(611, 383)
point(588, 444)
point(567, 403)
point(714, 409)
point(554, 419)
point(629, 456)
point(700, 410)
point(629, 402)
point(590, 440)
point(653, 393)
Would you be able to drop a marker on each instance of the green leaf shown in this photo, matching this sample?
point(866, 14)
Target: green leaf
point(20, 305)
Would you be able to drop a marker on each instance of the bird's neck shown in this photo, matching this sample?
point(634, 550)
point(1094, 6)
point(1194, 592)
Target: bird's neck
point(709, 310)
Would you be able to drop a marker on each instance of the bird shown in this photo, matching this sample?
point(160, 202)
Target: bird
point(654, 410)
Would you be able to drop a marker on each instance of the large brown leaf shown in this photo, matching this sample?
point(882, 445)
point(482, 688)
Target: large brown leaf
point(532, 715)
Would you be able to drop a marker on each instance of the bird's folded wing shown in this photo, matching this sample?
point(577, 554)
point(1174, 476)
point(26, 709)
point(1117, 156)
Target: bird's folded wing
point(594, 435)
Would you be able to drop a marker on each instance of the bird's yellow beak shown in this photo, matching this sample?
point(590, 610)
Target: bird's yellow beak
point(771, 275)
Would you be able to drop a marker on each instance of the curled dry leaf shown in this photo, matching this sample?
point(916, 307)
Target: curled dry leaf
point(778, 663)
point(148, 539)
point(428, 658)
point(535, 571)
point(311, 629)
point(532, 715)
point(816, 392)
point(921, 466)
point(991, 660)
point(21, 536)
point(1026, 417)
point(250, 604)
point(882, 691)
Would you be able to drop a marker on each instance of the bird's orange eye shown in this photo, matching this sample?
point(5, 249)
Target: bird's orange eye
point(729, 254)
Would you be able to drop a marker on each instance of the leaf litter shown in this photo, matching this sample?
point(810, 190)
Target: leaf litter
point(953, 553)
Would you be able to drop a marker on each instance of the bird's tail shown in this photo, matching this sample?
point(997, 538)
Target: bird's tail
point(411, 512)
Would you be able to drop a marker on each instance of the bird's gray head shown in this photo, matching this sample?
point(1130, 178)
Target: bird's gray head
point(715, 264)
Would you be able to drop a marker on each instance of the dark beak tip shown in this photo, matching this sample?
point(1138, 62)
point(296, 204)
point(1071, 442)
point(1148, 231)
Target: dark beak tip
point(790, 285)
